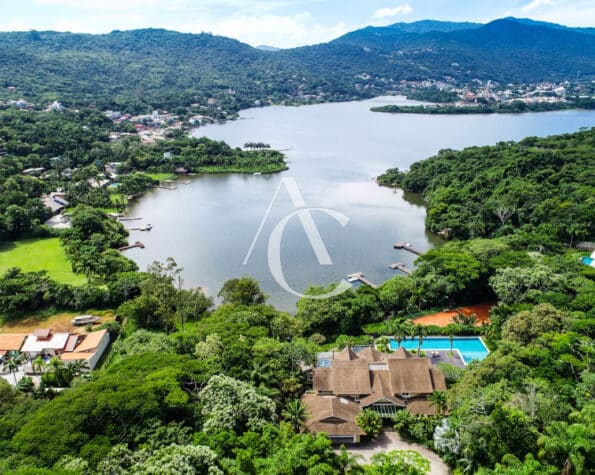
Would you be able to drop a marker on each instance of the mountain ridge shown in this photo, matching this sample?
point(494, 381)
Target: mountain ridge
point(136, 70)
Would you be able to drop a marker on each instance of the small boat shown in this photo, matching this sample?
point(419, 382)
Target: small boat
point(85, 320)
point(257, 173)
point(146, 227)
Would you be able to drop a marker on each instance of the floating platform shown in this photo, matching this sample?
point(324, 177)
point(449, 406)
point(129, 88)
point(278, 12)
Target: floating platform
point(402, 267)
point(131, 246)
point(359, 277)
point(407, 247)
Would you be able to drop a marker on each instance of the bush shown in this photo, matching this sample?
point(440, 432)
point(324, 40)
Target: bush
point(416, 427)
point(370, 422)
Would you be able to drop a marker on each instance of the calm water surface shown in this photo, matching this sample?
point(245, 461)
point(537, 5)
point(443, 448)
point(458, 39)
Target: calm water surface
point(334, 152)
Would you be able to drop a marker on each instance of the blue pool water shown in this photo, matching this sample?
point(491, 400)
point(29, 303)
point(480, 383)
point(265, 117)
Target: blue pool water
point(471, 348)
point(587, 260)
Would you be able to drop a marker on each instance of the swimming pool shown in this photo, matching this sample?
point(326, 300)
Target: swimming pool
point(471, 348)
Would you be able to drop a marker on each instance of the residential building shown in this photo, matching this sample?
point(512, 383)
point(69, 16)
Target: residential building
point(90, 349)
point(369, 379)
point(45, 343)
point(335, 416)
point(56, 201)
point(11, 342)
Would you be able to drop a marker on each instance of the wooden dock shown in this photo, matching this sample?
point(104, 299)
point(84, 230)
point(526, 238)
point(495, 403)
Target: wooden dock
point(166, 187)
point(402, 267)
point(407, 247)
point(131, 246)
point(359, 277)
point(129, 219)
point(148, 227)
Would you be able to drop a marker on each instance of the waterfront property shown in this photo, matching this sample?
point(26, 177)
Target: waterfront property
point(470, 348)
point(346, 382)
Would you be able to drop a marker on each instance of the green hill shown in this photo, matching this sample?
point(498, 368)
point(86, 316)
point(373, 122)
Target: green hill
point(153, 68)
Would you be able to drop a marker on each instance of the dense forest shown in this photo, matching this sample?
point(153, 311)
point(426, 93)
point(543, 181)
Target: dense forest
point(137, 71)
point(542, 186)
point(430, 94)
point(514, 107)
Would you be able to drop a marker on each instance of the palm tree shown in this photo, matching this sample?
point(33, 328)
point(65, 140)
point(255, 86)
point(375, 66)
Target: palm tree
point(13, 362)
point(295, 413)
point(566, 444)
point(383, 343)
point(57, 368)
point(38, 364)
point(261, 373)
point(74, 369)
point(450, 329)
point(438, 401)
point(399, 329)
point(420, 332)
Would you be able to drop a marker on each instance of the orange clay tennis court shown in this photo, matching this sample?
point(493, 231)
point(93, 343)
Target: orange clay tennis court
point(441, 319)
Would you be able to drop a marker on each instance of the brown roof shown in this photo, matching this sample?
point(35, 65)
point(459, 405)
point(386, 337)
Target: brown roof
point(91, 341)
point(11, 341)
point(411, 376)
point(438, 379)
point(399, 354)
point(371, 355)
point(331, 415)
point(375, 378)
point(381, 388)
point(350, 377)
point(321, 380)
point(421, 406)
point(346, 354)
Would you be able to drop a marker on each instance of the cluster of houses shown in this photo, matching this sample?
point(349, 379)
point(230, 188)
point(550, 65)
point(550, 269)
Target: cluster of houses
point(347, 382)
point(47, 343)
point(491, 91)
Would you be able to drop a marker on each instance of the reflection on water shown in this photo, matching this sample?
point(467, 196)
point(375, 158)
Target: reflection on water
point(334, 151)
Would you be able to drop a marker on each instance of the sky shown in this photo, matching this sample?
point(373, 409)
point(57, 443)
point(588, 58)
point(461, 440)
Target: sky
point(280, 23)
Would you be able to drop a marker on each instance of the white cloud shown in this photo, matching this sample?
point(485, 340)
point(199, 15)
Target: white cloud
point(564, 12)
point(537, 4)
point(105, 5)
point(387, 12)
point(274, 30)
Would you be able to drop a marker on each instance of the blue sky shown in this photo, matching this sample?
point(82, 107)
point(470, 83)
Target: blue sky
point(282, 23)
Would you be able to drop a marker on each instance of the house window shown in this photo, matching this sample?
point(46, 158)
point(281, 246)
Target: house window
point(384, 409)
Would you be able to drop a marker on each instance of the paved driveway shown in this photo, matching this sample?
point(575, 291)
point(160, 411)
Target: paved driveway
point(390, 440)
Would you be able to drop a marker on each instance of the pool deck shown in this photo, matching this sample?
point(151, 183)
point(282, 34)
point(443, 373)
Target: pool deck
point(444, 356)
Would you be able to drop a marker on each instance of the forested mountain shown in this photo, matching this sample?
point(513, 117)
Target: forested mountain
point(142, 69)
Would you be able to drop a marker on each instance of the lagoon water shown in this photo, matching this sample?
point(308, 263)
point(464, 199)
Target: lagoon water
point(334, 152)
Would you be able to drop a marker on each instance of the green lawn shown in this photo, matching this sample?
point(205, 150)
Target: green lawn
point(161, 176)
point(33, 255)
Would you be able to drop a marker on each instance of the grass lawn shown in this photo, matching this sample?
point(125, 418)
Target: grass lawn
point(33, 255)
point(160, 176)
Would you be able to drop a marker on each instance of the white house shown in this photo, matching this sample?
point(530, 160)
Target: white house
point(90, 349)
point(45, 342)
